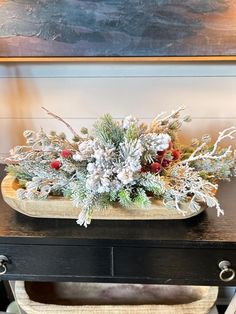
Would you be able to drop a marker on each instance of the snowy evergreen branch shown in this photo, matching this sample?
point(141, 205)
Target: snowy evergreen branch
point(108, 131)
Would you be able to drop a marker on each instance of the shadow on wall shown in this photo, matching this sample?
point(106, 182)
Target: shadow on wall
point(20, 95)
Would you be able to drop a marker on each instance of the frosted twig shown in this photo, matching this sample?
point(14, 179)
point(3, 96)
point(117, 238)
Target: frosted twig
point(157, 121)
point(215, 203)
point(197, 150)
point(220, 211)
point(63, 121)
point(178, 208)
point(206, 156)
point(196, 155)
point(224, 134)
point(172, 114)
point(158, 116)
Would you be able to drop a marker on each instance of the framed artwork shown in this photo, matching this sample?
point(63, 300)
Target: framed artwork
point(117, 30)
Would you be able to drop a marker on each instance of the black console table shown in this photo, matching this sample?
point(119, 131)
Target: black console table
point(164, 252)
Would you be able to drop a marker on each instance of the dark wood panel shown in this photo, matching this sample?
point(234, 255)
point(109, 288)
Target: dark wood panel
point(172, 266)
point(62, 261)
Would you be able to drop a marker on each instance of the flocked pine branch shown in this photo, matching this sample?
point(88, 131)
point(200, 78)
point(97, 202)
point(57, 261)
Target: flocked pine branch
point(108, 131)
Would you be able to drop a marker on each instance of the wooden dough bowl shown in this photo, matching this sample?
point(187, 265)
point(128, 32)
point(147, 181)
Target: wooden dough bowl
point(59, 207)
point(107, 298)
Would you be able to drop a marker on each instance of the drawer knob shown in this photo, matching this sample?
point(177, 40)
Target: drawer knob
point(3, 261)
point(227, 274)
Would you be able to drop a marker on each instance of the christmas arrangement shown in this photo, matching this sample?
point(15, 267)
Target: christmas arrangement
point(127, 162)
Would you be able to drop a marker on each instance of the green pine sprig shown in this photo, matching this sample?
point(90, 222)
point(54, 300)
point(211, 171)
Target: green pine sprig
point(108, 131)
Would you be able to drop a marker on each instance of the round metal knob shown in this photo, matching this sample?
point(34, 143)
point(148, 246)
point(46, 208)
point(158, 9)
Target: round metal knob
point(3, 261)
point(227, 274)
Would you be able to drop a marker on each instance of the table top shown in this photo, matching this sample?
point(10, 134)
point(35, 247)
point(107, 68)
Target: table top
point(204, 230)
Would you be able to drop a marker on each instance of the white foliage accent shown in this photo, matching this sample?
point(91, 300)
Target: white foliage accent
point(129, 120)
point(189, 187)
point(125, 176)
point(155, 142)
point(85, 151)
point(152, 142)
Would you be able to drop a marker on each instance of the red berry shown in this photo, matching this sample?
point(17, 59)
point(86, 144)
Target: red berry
point(55, 164)
point(161, 153)
point(175, 153)
point(142, 169)
point(155, 167)
point(66, 153)
point(165, 163)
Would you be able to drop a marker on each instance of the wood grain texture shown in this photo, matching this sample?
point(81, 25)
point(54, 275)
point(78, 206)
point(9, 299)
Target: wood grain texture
point(132, 299)
point(34, 261)
point(171, 265)
point(59, 207)
point(74, 293)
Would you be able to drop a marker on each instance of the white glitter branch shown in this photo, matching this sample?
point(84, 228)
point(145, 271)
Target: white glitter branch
point(196, 155)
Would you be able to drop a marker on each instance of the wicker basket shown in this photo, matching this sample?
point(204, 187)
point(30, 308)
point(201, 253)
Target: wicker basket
point(103, 298)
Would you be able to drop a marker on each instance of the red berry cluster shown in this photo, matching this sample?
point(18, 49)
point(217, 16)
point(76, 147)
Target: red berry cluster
point(162, 160)
point(56, 164)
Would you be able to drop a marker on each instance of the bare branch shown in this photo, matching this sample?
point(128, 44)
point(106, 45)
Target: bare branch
point(63, 121)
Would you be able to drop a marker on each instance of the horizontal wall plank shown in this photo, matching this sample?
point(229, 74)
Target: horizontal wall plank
point(99, 69)
point(141, 96)
point(12, 129)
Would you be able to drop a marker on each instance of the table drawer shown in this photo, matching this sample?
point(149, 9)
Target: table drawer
point(172, 266)
point(32, 261)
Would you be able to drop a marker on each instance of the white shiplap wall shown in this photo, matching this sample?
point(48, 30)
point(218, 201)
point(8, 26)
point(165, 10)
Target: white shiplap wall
point(81, 92)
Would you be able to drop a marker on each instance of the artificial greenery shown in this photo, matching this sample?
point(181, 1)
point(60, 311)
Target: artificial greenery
point(126, 162)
